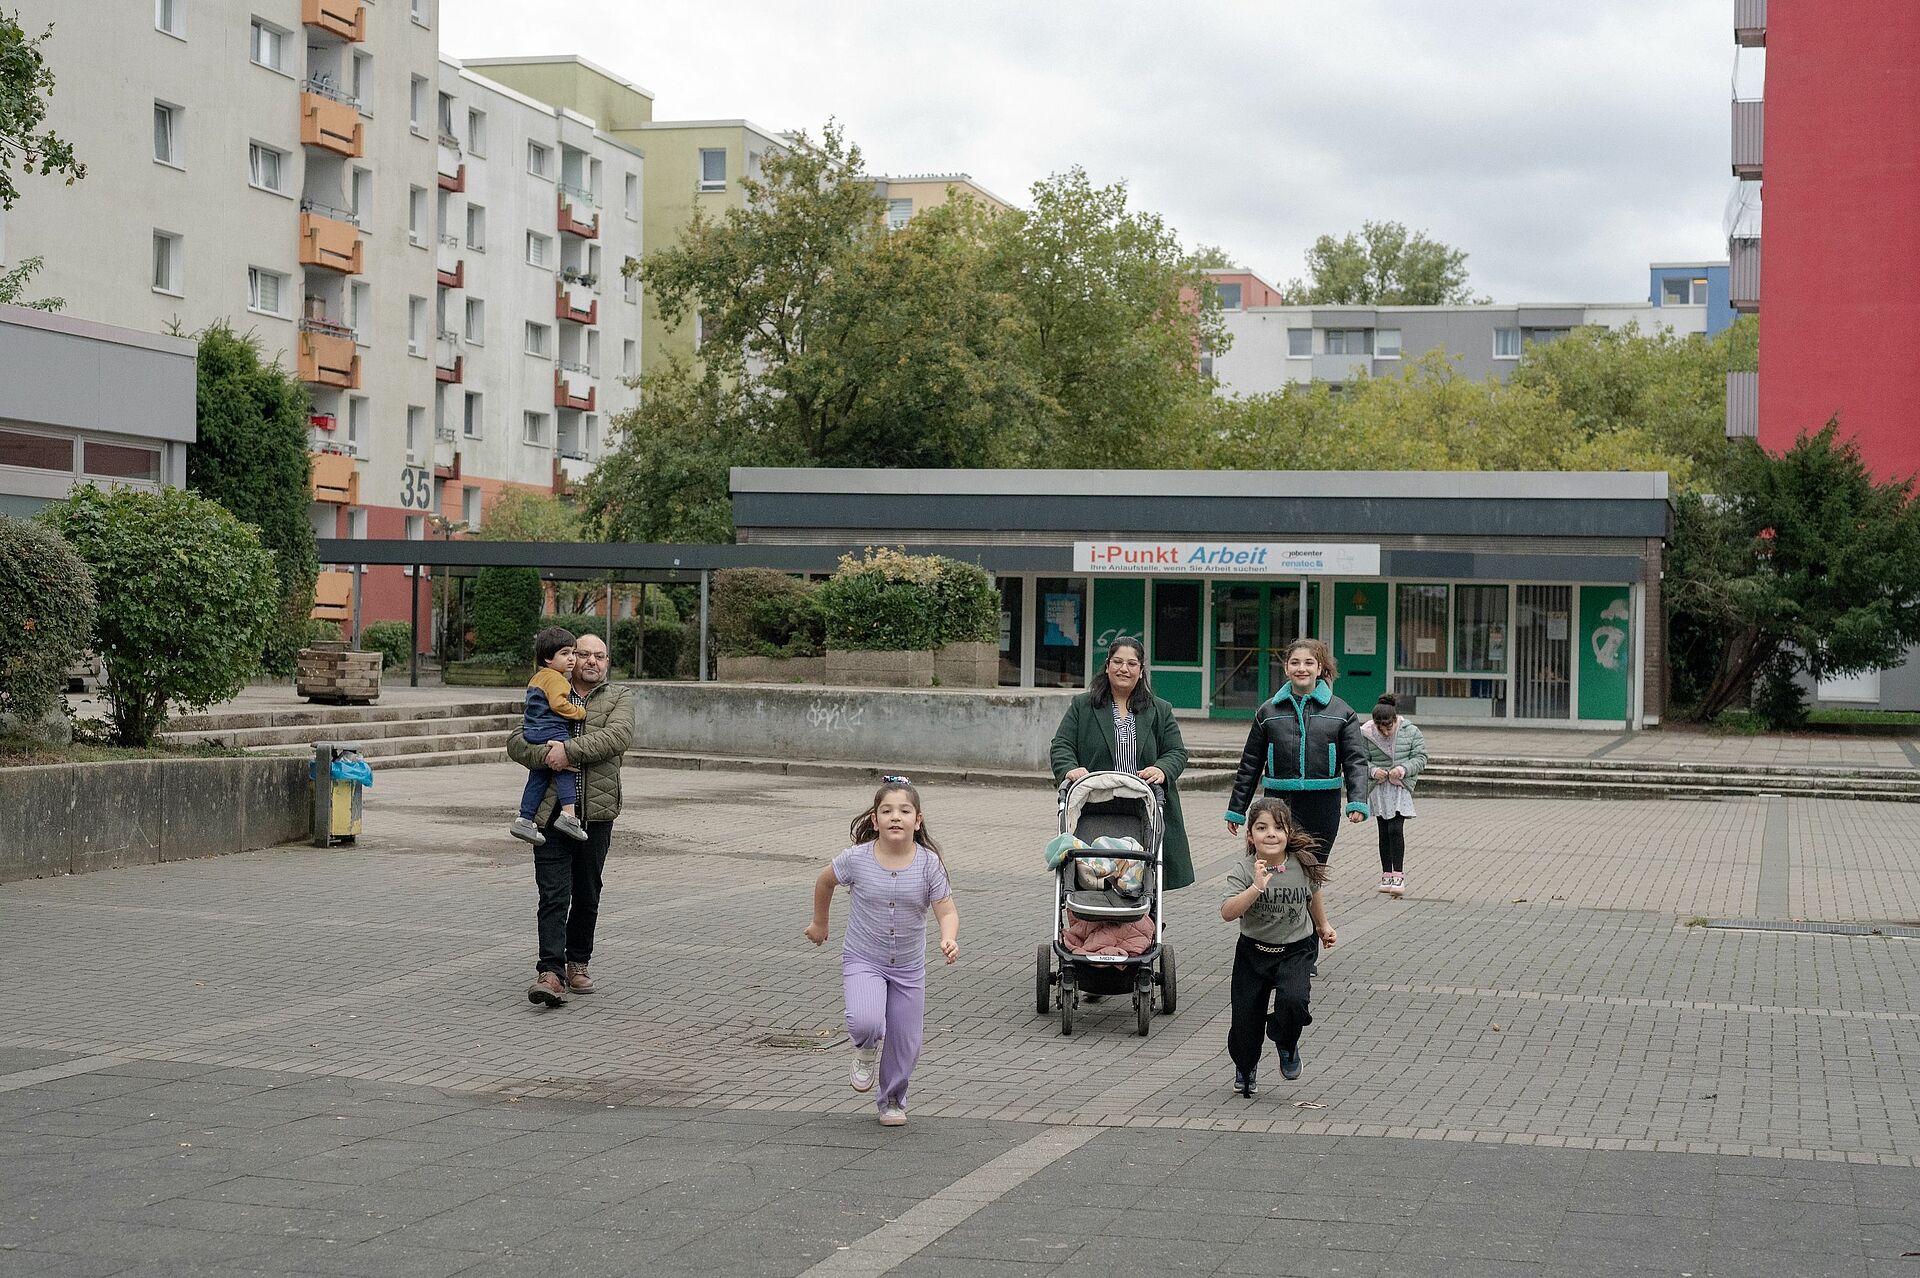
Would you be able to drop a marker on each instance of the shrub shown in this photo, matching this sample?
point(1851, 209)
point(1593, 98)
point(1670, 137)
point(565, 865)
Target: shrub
point(186, 596)
point(393, 640)
point(966, 602)
point(46, 616)
point(666, 640)
point(745, 602)
point(506, 610)
point(284, 643)
point(884, 602)
point(1778, 699)
point(580, 623)
point(791, 625)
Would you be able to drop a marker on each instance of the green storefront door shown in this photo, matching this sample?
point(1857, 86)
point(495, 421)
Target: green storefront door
point(1360, 641)
point(1252, 623)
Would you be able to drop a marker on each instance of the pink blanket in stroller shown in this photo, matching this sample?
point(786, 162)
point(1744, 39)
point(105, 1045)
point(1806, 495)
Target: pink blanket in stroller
point(1085, 936)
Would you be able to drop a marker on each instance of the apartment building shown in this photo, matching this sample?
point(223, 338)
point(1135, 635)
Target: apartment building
point(917, 192)
point(1704, 284)
point(535, 327)
point(692, 165)
point(1275, 346)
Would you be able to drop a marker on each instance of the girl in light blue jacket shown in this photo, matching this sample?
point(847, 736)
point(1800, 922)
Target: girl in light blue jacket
point(1396, 753)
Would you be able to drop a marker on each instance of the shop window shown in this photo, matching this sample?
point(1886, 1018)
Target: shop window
point(1480, 629)
point(1060, 632)
point(1176, 623)
point(36, 452)
point(1013, 592)
point(1420, 627)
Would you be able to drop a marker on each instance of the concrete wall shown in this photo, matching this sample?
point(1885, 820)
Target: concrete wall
point(76, 818)
point(924, 727)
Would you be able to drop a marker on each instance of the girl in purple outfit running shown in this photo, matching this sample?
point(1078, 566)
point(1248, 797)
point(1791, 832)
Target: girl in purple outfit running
point(893, 874)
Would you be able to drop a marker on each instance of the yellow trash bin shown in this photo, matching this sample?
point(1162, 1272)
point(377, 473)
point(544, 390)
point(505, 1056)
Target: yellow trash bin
point(340, 772)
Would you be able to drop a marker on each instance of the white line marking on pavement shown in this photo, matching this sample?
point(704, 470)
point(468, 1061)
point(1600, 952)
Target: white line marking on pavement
point(65, 1069)
point(916, 1229)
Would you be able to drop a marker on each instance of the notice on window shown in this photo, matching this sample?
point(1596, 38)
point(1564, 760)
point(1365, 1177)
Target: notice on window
point(1225, 632)
point(1062, 613)
point(1426, 647)
point(1361, 636)
point(1556, 627)
point(1006, 630)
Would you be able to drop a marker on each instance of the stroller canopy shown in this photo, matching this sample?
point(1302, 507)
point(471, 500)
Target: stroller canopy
point(1105, 787)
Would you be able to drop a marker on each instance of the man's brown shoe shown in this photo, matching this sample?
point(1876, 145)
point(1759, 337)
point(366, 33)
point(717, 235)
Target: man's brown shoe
point(546, 988)
point(578, 979)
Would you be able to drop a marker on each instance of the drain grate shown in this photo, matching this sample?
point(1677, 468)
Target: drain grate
point(1901, 930)
point(794, 1043)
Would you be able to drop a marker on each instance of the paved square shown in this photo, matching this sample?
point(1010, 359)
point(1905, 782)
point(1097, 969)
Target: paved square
point(297, 1060)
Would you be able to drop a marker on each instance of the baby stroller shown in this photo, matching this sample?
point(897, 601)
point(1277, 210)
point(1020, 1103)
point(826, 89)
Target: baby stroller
point(1107, 806)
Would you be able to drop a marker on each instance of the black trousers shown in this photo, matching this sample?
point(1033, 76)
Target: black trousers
point(1319, 812)
point(1269, 995)
point(1393, 844)
point(567, 872)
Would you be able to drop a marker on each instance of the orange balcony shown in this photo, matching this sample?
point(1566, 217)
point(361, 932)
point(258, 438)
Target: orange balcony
point(330, 124)
point(449, 365)
point(344, 18)
point(335, 479)
point(577, 214)
point(327, 355)
point(575, 302)
point(333, 597)
point(450, 269)
point(328, 242)
point(455, 181)
point(573, 387)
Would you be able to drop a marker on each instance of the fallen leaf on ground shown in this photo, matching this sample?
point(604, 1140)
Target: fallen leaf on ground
point(1518, 900)
point(1496, 1027)
point(1308, 1105)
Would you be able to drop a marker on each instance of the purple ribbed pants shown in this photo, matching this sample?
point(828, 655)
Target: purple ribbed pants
point(889, 1002)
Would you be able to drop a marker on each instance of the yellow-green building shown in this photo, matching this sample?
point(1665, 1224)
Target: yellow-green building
point(690, 164)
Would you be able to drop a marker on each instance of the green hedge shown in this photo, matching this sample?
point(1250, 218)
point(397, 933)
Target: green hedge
point(667, 644)
point(46, 615)
point(890, 601)
point(393, 640)
point(506, 609)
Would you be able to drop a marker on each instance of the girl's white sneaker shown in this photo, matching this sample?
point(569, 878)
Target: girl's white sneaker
point(865, 1061)
point(1386, 883)
point(1398, 887)
point(893, 1116)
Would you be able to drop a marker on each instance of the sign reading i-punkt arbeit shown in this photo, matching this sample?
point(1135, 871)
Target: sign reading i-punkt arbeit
point(1227, 558)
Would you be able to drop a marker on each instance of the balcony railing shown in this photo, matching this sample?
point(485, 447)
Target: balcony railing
point(449, 267)
point(1750, 23)
point(577, 213)
point(452, 169)
point(1743, 273)
point(574, 301)
point(344, 18)
point(330, 121)
point(1749, 137)
point(1743, 405)
point(573, 387)
point(335, 479)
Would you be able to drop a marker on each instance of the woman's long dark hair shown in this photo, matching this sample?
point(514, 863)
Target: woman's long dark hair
point(1100, 690)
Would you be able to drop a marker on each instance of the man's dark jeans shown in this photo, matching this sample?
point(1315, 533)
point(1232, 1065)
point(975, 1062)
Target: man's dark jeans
point(568, 872)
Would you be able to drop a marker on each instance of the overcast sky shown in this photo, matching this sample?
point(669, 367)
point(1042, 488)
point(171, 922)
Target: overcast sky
point(1562, 145)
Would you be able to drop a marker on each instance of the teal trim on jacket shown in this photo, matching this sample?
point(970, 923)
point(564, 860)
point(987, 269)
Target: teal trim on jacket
point(1085, 740)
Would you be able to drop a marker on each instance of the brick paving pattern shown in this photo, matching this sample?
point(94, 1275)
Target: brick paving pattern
point(299, 1060)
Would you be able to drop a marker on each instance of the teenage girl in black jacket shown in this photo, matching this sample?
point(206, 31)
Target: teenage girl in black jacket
point(1304, 745)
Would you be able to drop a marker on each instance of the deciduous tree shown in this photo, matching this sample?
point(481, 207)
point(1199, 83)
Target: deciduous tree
point(1384, 265)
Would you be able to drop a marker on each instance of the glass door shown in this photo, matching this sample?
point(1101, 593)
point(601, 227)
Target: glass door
point(1283, 627)
point(1542, 636)
point(1239, 649)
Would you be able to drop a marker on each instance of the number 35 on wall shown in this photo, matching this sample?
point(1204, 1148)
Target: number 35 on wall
point(416, 488)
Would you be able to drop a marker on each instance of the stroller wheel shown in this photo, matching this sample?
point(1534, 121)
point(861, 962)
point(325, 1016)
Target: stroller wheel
point(1168, 993)
point(1066, 1002)
point(1143, 1006)
point(1043, 981)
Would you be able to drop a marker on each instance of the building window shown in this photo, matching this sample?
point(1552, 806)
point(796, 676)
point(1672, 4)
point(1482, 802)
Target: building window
point(1299, 342)
point(417, 104)
point(470, 507)
point(269, 47)
point(36, 452)
point(416, 430)
point(166, 263)
point(539, 160)
point(361, 197)
point(477, 133)
point(1386, 343)
point(417, 216)
point(357, 528)
point(362, 80)
point(477, 228)
point(534, 429)
point(416, 526)
point(1541, 336)
point(1506, 343)
point(266, 168)
point(699, 330)
point(119, 461)
point(899, 213)
point(356, 426)
point(266, 291)
point(417, 326)
point(1420, 627)
point(446, 117)
point(167, 17)
point(1206, 365)
point(539, 340)
point(1349, 341)
point(360, 311)
point(537, 248)
point(630, 281)
point(713, 170)
point(1480, 629)
point(629, 358)
point(1229, 296)
point(473, 420)
point(417, 10)
point(476, 328)
point(166, 134)
point(633, 195)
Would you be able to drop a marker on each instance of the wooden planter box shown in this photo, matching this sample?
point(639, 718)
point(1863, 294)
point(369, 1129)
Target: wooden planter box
point(331, 673)
point(896, 669)
point(772, 669)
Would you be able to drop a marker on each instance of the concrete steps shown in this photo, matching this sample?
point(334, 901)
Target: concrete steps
point(186, 726)
point(264, 739)
point(417, 735)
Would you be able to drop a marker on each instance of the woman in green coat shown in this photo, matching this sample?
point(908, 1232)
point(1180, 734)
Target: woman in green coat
point(1118, 725)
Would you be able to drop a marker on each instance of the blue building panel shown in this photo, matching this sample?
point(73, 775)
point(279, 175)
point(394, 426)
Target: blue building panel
point(1720, 311)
